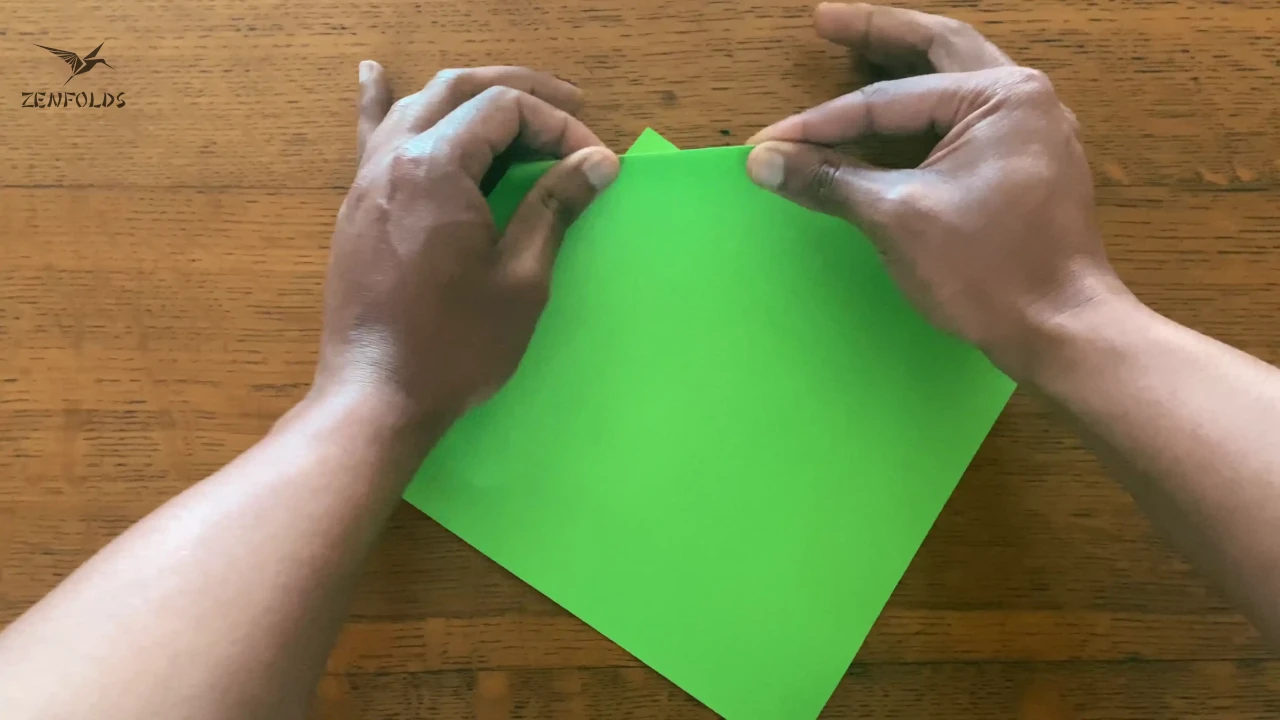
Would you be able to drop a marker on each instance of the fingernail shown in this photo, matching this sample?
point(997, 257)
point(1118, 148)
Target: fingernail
point(366, 70)
point(767, 167)
point(601, 169)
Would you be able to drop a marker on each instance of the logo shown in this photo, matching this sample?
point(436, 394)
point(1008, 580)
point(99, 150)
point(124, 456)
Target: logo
point(79, 66)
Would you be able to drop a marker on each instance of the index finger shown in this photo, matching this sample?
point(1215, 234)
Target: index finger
point(498, 118)
point(375, 99)
point(904, 40)
point(909, 106)
point(449, 89)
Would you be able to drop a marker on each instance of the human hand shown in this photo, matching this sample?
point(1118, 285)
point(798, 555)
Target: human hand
point(425, 299)
point(993, 236)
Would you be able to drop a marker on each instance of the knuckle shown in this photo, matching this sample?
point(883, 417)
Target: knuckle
point(448, 75)
point(558, 211)
point(362, 186)
point(405, 165)
point(499, 94)
point(910, 198)
point(410, 162)
point(823, 181)
point(564, 201)
point(1037, 166)
point(551, 202)
point(867, 93)
point(452, 82)
point(403, 105)
point(869, 98)
point(952, 34)
point(951, 29)
point(1073, 122)
point(529, 281)
point(534, 285)
point(1030, 83)
point(425, 157)
point(456, 85)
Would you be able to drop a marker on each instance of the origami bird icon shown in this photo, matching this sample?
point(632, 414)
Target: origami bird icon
point(79, 66)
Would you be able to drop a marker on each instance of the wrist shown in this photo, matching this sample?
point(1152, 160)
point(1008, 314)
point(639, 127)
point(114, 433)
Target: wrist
point(1065, 345)
point(1038, 328)
point(380, 414)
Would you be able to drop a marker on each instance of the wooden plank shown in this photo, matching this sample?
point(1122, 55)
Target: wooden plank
point(223, 94)
point(1248, 690)
point(900, 636)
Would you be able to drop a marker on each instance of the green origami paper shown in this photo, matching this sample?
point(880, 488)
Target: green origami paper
point(651, 142)
point(728, 438)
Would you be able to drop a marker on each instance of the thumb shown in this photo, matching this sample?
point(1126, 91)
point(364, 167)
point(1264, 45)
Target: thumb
point(528, 247)
point(818, 178)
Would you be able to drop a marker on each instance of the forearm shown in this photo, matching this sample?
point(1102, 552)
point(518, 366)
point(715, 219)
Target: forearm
point(1194, 427)
point(222, 603)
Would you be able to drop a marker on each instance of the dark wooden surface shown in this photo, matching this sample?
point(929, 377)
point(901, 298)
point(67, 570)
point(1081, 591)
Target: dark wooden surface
point(161, 269)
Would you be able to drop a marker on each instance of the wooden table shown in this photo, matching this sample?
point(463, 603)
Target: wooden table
point(160, 278)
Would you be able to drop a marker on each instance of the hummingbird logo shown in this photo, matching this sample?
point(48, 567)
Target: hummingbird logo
point(79, 66)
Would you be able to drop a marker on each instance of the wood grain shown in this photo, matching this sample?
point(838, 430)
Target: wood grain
point(984, 691)
point(160, 276)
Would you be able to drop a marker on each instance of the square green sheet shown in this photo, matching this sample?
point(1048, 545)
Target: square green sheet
point(728, 438)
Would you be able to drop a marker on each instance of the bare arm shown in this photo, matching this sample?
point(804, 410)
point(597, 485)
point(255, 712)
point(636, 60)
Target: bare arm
point(993, 237)
point(223, 603)
point(1194, 427)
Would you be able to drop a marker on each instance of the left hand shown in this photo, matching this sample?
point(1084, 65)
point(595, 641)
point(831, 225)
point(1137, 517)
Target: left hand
point(425, 299)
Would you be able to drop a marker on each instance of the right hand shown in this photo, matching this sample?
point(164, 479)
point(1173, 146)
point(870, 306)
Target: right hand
point(993, 236)
point(426, 300)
